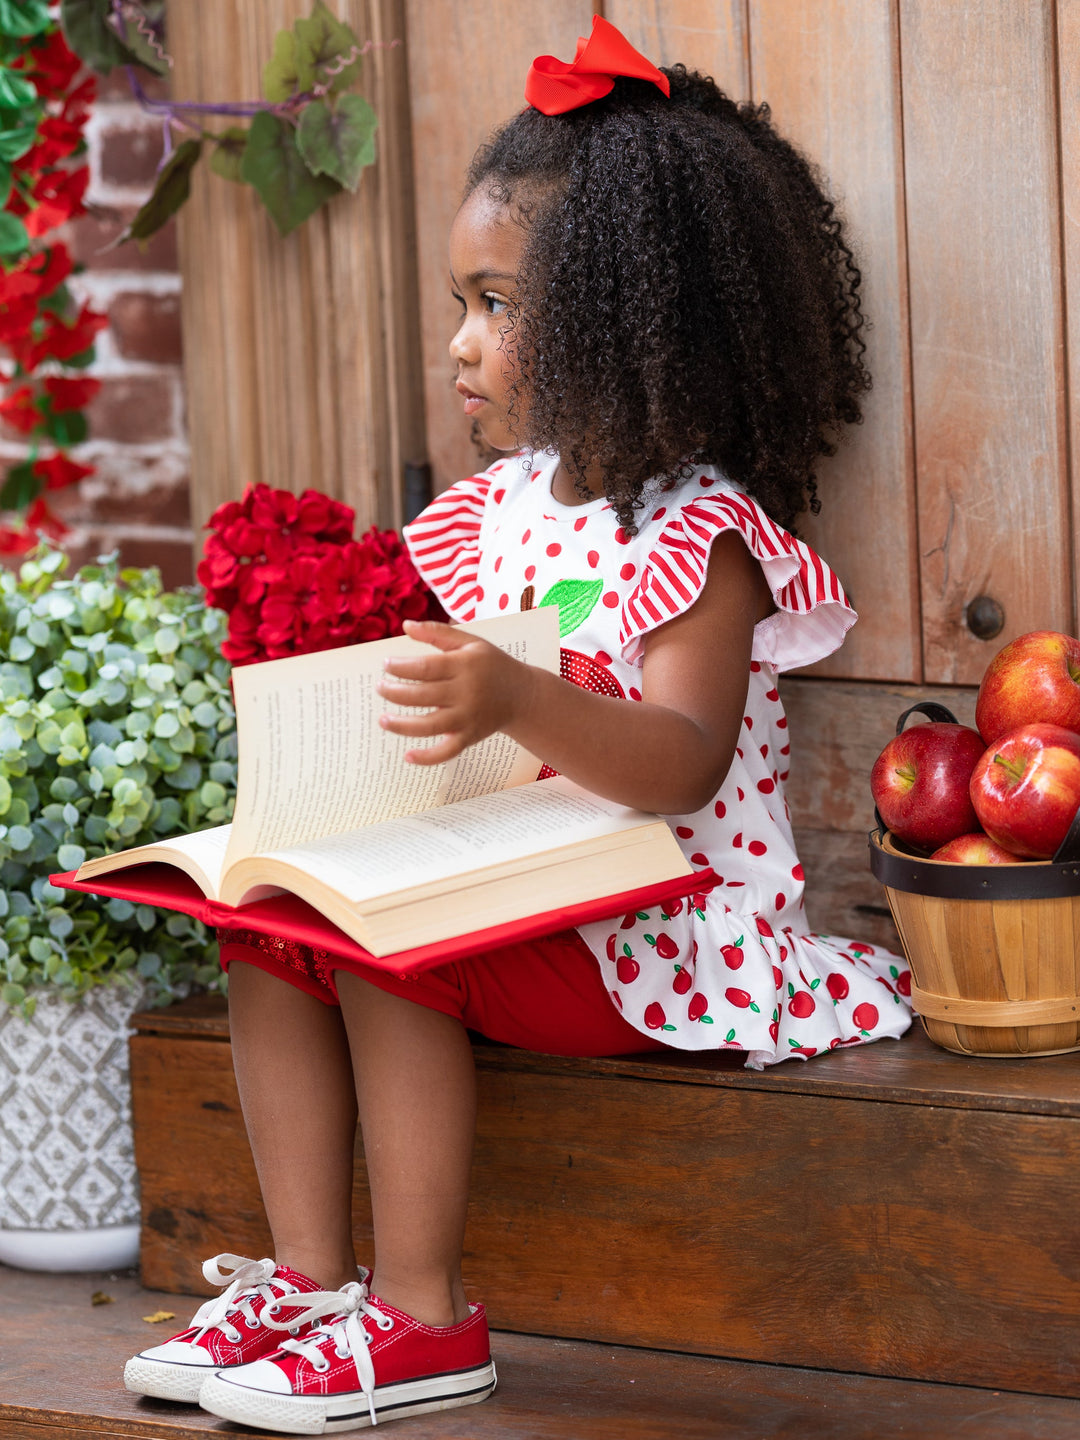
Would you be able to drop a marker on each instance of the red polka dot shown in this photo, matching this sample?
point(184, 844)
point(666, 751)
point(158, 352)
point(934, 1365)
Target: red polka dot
point(504, 600)
point(764, 751)
point(757, 847)
point(684, 832)
point(617, 999)
point(721, 809)
point(781, 901)
point(603, 658)
point(659, 514)
point(535, 474)
point(526, 537)
point(699, 859)
point(739, 792)
point(735, 884)
point(705, 482)
point(781, 724)
point(554, 549)
point(748, 721)
point(497, 498)
point(738, 751)
point(593, 558)
point(784, 774)
point(498, 563)
point(611, 599)
point(581, 522)
point(772, 695)
point(785, 749)
point(797, 872)
point(755, 666)
point(628, 571)
point(737, 842)
point(530, 571)
point(478, 593)
point(766, 787)
point(634, 694)
point(623, 536)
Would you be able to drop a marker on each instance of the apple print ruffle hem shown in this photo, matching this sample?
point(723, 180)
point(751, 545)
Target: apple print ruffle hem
point(736, 968)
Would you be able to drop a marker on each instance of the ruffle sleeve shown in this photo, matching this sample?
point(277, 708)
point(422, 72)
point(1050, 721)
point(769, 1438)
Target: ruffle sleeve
point(444, 542)
point(812, 612)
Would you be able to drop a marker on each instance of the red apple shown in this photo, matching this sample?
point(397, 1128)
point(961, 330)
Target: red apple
point(1026, 789)
point(977, 849)
point(921, 780)
point(1034, 680)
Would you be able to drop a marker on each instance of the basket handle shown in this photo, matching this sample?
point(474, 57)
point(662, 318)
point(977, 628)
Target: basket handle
point(1069, 849)
point(941, 714)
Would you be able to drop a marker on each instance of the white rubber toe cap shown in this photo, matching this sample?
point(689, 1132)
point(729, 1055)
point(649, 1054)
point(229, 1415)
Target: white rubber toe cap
point(259, 1375)
point(180, 1352)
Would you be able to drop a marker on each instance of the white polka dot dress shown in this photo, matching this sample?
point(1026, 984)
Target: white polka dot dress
point(736, 968)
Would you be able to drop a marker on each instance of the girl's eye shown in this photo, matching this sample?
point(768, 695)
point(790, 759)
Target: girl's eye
point(460, 299)
point(494, 304)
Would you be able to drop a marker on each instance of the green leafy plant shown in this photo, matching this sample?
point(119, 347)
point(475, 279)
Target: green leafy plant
point(309, 137)
point(116, 728)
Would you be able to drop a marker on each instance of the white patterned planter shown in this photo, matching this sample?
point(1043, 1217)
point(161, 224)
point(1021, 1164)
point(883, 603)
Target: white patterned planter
point(69, 1195)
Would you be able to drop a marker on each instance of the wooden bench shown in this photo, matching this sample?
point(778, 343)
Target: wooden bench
point(891, 1210)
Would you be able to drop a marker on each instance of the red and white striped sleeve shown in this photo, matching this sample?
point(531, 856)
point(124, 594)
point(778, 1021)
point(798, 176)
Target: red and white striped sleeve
point(812, 612)
point(444, 542)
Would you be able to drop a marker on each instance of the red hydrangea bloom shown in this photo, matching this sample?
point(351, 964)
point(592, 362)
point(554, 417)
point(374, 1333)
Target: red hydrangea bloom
point(19, 410)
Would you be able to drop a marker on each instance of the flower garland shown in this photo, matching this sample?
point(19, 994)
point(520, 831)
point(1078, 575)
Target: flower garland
point(292, 579)
point(44, 106)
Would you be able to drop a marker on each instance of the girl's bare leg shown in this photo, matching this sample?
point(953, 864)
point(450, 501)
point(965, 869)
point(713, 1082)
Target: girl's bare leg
point(291, 1058)
point(416, 1087)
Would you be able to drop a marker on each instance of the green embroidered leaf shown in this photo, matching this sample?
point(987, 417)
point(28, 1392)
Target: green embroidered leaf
point(576, 600)
point(667, 1027)
point(338, 142)
point(642, 914)
point(227, 159)
point(814, 984)
point(171, 189)
point(287, 72)
point(275, 167)
point(627, 951)
point(708, 1020)
point(649, 939)
point(791, 990)
point(894, 972)
point(756, 1009)
point(329, 47)
point(730, 1036)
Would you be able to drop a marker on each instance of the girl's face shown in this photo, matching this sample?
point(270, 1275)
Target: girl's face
point(485, 256)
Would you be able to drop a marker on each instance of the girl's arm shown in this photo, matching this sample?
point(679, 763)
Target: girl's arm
point(669, 753)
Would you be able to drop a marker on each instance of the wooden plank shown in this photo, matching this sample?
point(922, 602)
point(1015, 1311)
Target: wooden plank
point(935, 1232)
point(548, 1389)
point(830, 73)
point(708, 35)
point(985, 264)
point(1068, 94)
point(467, 68)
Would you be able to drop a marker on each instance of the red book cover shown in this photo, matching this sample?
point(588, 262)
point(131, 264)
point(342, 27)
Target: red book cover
point(294, 919)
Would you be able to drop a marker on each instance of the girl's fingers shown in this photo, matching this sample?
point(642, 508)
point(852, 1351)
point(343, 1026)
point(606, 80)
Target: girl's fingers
point(435, 632)
point(448, 748)
point(434, 723)
point(419, 667)
point(413, 694)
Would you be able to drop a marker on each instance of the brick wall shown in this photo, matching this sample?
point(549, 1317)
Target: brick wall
point(138, 500)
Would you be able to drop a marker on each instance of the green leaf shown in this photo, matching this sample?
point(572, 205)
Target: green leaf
point(288, 72)
point(338, 142)
point(90, 35)
point(70, 857)
point(15, 90)
point(227, 159)
point(14, 241)
point(275, 167)
point(329, 46)
point(706, 1019)
point(16, 142)
point(171, 189)
point(730, 1036)
point(70, 427)
point(756, 1009)
point(667, 1027)
point(576, 600)
point(21, 484)
point(24, 17)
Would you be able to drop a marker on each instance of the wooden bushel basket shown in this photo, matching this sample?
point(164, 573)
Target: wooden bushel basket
point(994, 950)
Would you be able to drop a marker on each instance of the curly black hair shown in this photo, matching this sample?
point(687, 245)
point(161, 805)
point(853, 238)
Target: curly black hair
point(686, 293)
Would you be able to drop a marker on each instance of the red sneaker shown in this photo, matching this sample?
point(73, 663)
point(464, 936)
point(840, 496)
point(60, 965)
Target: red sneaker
point(367, 1362)
point(231, 1330)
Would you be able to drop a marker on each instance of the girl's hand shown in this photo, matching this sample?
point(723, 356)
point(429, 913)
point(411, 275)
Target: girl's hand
point(470, 688)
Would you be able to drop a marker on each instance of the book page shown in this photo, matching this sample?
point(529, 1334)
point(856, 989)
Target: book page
point(314, 761)
point(454, 840)
point(200, 855)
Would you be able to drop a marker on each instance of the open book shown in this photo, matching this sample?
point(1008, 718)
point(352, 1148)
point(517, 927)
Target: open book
point(399, 857)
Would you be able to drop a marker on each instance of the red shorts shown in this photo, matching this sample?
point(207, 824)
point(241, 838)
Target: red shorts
point(545, 995)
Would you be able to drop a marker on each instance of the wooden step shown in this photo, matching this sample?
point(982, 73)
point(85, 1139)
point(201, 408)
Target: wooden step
point(63, 1359)
point(890, 1209)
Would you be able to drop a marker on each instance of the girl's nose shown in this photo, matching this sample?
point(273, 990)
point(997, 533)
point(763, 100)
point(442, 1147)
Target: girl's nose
point(464, 345)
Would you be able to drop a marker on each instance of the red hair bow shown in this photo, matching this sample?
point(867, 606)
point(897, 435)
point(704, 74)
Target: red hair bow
point(554, 87)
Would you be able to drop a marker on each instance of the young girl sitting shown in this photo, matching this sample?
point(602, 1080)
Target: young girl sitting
point(661, 333)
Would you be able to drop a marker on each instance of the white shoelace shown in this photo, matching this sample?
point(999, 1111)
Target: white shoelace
point(349, 1336)
point(246, 1280)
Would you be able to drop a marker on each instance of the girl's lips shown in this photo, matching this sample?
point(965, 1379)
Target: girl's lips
point(473, 402)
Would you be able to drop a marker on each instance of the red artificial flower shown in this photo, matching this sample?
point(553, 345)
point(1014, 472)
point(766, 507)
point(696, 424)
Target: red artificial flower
point(59, 195)
point(76, 109)
point(36, 277)
point(59, 471)
point(42, 521)
point(59, 340)
point(50, 65)
point(15, 322)
point(57, 139)
point(20, 412)
point(16, 542)
point(70, 392)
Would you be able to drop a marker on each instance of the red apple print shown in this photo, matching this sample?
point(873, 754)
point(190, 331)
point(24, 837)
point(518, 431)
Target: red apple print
point(697, 1007)
point(674, 907)
point(865, 1015)
point(628, 920)
point(611, 948)
point(774, 1032)
point(683, 980)
point(806, 1050)
point(783, 953)
point(764, 928)
point(801, 1005)
point(733, 954)
point(665, 946)
point(837, 986)
point(721, 809)
point(617, 998)
point(586, 674)
point(903, 982)
point(882, 981)
point(654, 1016)
point(739, 998)
point(627, 969)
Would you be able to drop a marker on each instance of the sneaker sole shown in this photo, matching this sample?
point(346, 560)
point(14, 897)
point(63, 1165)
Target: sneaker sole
point(322, 1415)
point(164, 1381)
